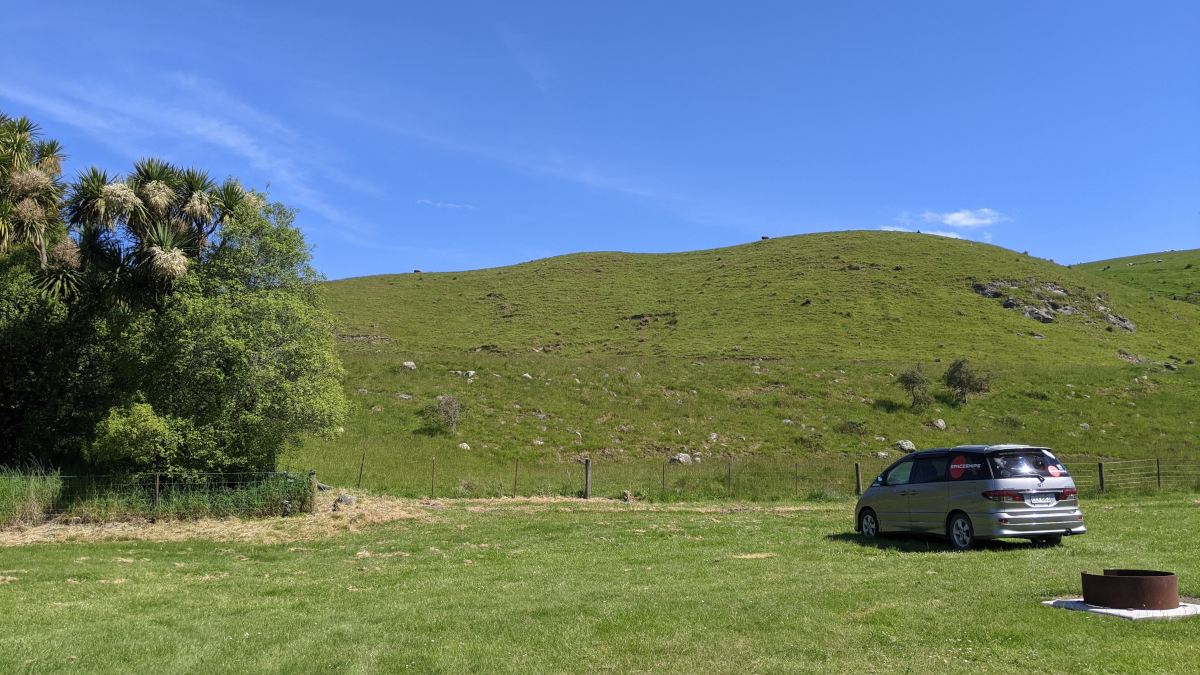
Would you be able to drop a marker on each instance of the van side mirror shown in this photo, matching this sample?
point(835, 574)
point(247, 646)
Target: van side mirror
point(878, 481)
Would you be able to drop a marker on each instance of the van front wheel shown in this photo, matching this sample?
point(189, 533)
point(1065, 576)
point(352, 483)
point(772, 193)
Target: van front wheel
point(961, 532)
point(868, 524)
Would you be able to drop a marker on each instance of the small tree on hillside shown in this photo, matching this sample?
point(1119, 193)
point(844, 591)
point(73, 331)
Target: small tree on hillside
point(444, 413)
point(964, 381)
point(916, 383)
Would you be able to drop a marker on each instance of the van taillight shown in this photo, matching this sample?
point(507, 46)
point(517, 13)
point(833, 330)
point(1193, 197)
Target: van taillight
point(1067, 493)
point(1004, 496)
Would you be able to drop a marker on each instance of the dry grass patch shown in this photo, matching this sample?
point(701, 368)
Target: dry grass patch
point(369, 510)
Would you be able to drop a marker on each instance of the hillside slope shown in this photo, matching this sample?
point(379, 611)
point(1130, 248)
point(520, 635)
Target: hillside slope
point(786, 347)
point(854, 295)
point(1172, 274)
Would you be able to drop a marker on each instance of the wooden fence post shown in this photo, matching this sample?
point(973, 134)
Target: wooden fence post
point(1100, 466)
point(587, 478)
point(1158, 471)
point(857, 478)
point(157, 491)
point(664, 476)
point(433, 478)
point(361, 464)
point(312, 491)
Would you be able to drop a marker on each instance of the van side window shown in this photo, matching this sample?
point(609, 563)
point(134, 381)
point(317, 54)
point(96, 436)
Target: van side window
point(929, 470)
point(900, 473)
point(966, 466)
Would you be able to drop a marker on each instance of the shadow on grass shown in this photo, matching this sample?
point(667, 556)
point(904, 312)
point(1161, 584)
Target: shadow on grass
point(887, 405)
point(921, 543)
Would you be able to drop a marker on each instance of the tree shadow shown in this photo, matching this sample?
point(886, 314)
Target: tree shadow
point(430, 430)
point(947, 398)
point(922, 543)
point(888, 405)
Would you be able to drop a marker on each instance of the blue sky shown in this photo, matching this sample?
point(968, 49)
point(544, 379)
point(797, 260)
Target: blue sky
point(457, 135)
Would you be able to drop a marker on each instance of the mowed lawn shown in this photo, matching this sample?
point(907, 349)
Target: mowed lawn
point(507, 586)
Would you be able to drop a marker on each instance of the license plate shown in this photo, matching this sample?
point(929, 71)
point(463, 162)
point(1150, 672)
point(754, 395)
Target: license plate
point(1041, 499)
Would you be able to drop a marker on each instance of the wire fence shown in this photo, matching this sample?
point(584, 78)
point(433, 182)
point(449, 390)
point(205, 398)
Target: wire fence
point(1137, 475)
point(39, 498)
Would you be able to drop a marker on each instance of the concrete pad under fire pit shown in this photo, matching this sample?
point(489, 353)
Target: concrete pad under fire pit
point(1184, 610)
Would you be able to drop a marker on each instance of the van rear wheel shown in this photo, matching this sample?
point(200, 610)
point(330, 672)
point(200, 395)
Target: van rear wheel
point(961, 532)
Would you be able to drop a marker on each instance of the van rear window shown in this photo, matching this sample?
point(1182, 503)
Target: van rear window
point(1027, 463)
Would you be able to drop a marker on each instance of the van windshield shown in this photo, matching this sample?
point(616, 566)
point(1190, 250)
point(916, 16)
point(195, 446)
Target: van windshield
point(1027, 463)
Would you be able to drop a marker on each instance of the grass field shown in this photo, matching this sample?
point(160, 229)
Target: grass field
point(504, 586)
point(785, 349)
point(1172, 274)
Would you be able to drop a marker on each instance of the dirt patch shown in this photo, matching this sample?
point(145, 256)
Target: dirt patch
point(369, 510)
point(752, 556)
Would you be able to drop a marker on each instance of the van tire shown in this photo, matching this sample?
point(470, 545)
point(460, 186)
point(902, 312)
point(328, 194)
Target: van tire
point(868, 524)
point(960, 531)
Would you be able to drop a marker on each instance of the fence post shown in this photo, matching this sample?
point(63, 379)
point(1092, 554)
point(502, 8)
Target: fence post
point(516, 468)
point(664, 477)
point(361, 463)
point(587, 478)
point(312, 491)
point(1158, 471)
point(157, 491)
point(1100, 466)
point(796, 470)
point(857, 478)
point(729, 477)
point(433, 478)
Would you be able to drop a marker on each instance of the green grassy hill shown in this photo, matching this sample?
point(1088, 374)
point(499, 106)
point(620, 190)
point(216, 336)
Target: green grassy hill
point(785, 348)
point(1175, 274)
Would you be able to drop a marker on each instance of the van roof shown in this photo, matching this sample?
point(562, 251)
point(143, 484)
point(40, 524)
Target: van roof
point(986, 449)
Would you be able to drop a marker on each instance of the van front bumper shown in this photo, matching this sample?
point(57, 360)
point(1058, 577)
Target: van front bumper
point(1030, 523)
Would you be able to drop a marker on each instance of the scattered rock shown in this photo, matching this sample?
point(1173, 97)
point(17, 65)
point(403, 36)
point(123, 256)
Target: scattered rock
point(343, 501)
point(1085, 426)
point(376, 408)
point(1036, 335)
point(526, 376)
point(410, 365)
point(681, 458)
point(1118, 321)
point(404, 397)
point(627, 497)
point(906, 446)
point(939, 424)
point(788, 422)
point(362, 390)
point(1190, 362)
point(323, 487)
point(538, 441)
point(464, 446)
point(1011, 303)
point(881, 454)
point(1055, 289)
point(470, 374)
point(992, 289)
point(1170, 366)
point(881, 439)
point(1038, 314)
point(712, 437)
point(696, 458)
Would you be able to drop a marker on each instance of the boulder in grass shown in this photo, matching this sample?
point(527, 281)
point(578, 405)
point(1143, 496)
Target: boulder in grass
point(906, 446)
point(939, 424)
point(343, 501)
point(681, 458)
point(409, 365)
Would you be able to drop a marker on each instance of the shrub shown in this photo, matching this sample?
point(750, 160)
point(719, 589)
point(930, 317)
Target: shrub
point(134, 438)
point(444, 414)
point(852, 428)
point(916, 384)
point(963, 381)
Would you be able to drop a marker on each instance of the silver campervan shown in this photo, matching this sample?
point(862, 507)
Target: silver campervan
point(974, 492)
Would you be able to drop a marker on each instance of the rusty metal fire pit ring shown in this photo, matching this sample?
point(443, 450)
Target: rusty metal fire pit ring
point(1131, 589)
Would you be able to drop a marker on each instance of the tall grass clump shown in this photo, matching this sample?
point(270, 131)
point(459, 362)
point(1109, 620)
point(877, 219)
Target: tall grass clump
point(27, 498)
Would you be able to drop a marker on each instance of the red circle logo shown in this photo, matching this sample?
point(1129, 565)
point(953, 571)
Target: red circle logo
point(958, 466)
point(1053, 469)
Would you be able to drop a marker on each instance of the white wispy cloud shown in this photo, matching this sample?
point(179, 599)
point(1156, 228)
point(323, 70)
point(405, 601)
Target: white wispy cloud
point(965, 218)
point(445, 205)
point(187, 110)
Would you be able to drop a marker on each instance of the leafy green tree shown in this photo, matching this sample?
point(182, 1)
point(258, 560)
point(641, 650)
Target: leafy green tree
point(916, 383)
point(963, 381)
point(178, 325)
